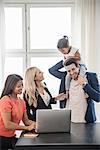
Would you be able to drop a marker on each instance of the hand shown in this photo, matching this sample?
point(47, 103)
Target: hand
point(31, 127)
point(81, 80)
point(60, 97)
point(66, 56)
point(67, 94)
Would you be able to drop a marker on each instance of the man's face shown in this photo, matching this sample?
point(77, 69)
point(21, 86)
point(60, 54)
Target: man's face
point(73, 71)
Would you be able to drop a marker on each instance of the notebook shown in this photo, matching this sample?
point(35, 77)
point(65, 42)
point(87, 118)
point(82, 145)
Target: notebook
point(51, 121)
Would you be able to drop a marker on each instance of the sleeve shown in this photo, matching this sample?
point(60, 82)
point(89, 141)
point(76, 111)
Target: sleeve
point(24, 105)
point(93, 88)
point(55, 70)
point(52, 101)
point(6, 105)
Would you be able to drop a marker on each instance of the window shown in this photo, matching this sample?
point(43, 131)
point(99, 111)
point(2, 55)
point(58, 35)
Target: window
point(14, 28)
point(32, 32)
point(44, 63)
point(13, 65)
point(47, 25)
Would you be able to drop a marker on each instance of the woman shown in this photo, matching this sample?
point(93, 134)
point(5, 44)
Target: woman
point(12, 111)
point(36, 94)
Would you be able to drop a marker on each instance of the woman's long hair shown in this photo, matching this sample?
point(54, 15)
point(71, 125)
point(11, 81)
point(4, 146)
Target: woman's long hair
point(10, 84)
point(30, 86)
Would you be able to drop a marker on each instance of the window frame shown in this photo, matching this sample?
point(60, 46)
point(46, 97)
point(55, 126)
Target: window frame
point(40, 51)
point(26, 52)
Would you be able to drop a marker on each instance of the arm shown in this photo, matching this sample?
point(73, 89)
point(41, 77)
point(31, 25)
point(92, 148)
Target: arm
point(77, 55)
point(59, 97)
point(26, 121)
point(52, 99)
point(60, 75)
point(92, 88)
point(55, 70)
point(6, 116)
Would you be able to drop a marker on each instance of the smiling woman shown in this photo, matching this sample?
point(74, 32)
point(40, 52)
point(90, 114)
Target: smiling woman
point(12, 111)
point(36, 93)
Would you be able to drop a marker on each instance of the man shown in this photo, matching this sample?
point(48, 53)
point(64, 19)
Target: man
point(69, 51)
point(82, 93)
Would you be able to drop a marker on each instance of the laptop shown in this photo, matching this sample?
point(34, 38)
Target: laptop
point(51, 121)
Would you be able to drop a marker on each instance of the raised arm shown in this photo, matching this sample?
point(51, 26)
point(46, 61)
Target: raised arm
point(55, 70)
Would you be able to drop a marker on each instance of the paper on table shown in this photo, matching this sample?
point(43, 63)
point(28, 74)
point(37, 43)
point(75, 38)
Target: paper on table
point(30, 135)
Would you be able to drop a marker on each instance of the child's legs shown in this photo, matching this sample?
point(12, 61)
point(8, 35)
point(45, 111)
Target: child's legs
point(67, 82)
point(82, 70)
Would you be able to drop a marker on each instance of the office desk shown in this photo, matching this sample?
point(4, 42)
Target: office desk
point(82, 136)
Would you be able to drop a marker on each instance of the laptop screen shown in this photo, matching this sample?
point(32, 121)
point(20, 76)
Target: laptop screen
point(48, 120)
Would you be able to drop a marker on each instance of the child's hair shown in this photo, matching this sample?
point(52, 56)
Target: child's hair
point(63, 43)
point(10, 83)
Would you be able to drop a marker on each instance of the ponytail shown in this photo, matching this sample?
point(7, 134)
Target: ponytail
point(63, 43)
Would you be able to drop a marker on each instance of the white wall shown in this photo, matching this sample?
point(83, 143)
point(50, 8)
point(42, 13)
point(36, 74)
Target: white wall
point(97, 36)
point(97, 50)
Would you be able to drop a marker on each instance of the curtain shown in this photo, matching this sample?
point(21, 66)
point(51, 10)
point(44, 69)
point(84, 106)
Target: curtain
point(83, 35)
point(2, 42)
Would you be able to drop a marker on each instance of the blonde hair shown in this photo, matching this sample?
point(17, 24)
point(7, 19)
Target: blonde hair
point(30, 86)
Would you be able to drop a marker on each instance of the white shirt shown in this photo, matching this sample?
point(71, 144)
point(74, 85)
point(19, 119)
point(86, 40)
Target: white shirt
point(72, 52)
point(45, 97)
point(77, 102)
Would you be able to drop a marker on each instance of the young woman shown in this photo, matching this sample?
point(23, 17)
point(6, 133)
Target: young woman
point(12, 111)
point(36, 94)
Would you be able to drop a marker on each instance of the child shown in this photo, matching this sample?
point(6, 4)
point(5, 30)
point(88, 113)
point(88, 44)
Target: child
point(69, 51)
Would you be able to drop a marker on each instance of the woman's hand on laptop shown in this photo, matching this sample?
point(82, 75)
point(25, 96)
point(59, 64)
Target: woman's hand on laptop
point(60, 97)
point(32, 126)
